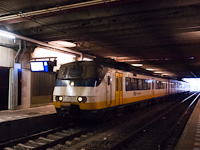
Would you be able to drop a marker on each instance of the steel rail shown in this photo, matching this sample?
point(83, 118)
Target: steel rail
point(129, 138)
point(33, 136)
point(184, 115)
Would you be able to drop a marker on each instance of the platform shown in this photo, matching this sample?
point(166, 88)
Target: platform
point(10, 115)
point(190, 139)
point(19, 123)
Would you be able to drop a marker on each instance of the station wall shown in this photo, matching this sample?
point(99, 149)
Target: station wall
point(33, 87)
point(42, 84)
point(6, 54)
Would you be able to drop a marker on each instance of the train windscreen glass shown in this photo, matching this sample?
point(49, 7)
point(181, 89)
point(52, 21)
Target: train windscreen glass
point(77, 72)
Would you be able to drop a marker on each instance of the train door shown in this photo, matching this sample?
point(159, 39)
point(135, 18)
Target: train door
point(108, 89)
point(118, 89)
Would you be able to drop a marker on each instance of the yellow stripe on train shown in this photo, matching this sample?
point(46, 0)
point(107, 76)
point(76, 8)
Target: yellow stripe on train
point(105, 104)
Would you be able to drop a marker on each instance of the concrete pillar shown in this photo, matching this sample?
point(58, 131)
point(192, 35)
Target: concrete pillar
point(26, 89)
point(13, 87)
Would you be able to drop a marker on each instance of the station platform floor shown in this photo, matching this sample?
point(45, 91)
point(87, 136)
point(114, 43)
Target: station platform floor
point(20, 123)
point(190, 139)
point(10, 115)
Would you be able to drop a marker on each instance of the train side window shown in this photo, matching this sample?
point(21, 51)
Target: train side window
point(158, 85)
point(134, 84)
point(148, 85)
point(144, 84)
point(139, 84)
point(108, 80)
point(128, 84)
point(153, 84)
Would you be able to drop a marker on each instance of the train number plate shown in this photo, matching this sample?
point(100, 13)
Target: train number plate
point(65, 104)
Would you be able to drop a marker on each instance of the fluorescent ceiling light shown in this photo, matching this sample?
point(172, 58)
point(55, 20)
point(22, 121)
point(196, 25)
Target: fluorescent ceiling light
point(158, 72)
point(137, 65)
point(87, 59)
point(7, 34)
point(48, 52)
point(150, 69)
point(62, 44)
point(165, 74)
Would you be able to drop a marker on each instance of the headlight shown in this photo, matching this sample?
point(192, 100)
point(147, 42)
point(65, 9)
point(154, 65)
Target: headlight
point(82, 99)
point(59, 98)
point(72, 83)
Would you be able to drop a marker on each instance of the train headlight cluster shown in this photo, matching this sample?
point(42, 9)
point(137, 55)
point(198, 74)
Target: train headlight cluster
point(59, 98)
point(81, 99)
point(71, 83)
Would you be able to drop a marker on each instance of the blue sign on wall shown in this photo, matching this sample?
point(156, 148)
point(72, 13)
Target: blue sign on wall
point(39, 66)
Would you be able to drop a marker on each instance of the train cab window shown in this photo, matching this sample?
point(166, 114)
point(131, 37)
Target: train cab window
point(100, 73)
point(108, 80)
point(90, 72)
point(64, 72)
point(75, 71)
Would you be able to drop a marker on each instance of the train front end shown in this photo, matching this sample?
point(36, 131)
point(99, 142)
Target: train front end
point(75, 90)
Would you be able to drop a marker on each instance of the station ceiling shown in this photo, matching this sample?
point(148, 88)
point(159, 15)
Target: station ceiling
point(162, 34)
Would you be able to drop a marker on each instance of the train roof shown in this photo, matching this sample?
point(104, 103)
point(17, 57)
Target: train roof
point(120, 66)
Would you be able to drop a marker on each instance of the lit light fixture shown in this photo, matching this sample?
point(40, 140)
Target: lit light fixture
point(165, 74)
point(82, 99)
point(7, 34)
point(158, 72)
point(87, 59)
point(191, 57)
point(62, 44)
point(60, 98)
point(150, 69)
point(137, 65)
point(71, 83)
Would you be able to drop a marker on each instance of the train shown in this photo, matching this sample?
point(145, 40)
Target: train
point(90, 89)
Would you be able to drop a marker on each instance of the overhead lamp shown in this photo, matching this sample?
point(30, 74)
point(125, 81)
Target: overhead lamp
point(137, 65)
point(150, 69)
point(49, 52)
point(158, 72)
point(7, 34)
point(62, 44)
point(87, 59)
point(165, 74)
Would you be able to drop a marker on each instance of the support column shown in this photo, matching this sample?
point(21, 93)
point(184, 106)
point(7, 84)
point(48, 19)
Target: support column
point(13, 87)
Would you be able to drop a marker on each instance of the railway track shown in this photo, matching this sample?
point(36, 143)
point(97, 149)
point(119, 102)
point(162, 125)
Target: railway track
point(46, 139)
point(96, 137)
point(160, 133)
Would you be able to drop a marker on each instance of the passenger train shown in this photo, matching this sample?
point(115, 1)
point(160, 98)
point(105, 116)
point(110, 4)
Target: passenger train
point(90, 89)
